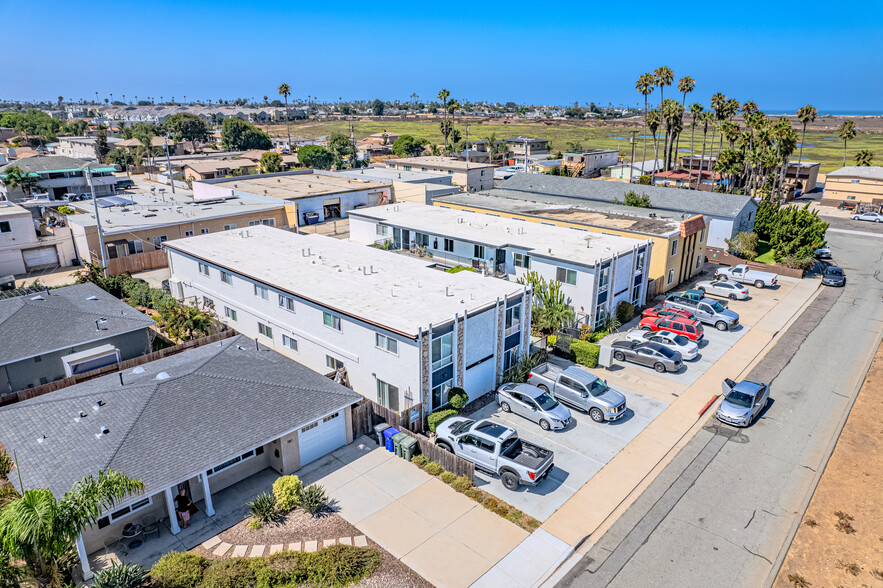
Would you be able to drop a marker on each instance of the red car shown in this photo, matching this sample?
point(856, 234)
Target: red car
point(689, 328)
point(660, 312)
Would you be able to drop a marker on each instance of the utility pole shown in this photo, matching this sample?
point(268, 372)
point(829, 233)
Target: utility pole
point(467, 145)
point(632, 160)
point(165, 143)
point(97, 219)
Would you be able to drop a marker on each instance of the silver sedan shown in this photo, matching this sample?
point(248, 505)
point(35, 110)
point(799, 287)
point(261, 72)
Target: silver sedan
point(688, 349)
point(725, 288)
point(743, 402)
point(533, 404)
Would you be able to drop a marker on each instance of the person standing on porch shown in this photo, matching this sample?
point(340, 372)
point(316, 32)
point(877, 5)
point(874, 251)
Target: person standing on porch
point(182, 505)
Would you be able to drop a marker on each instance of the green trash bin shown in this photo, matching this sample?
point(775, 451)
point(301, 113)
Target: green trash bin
point(409, 447)
point(397, 442)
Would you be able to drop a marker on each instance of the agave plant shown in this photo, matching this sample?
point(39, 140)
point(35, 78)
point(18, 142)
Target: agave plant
point(121, 575)
point(263, 507)
point(313, 499)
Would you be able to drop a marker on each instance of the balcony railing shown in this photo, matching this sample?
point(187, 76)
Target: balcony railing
point(445, 258)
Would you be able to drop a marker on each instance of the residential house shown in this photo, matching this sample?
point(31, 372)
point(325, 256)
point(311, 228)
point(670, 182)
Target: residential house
point(684, 178)
point(163, 143)
point(471, 177)
point(401, 331)
point(406, 186)
point(288, 161)
point(530, 146)
point(81, 147)
point(376, 145)
point(544, 166)
point(59, 176)
point(627, 171)
point(67, 331)
point(804, 175)
point(202, 421)
point(854, 185)
point(209, 169)
point(590, 162)
point(27, 245)
point(597, 271)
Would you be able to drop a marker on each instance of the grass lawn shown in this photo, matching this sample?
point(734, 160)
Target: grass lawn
point(765, 253)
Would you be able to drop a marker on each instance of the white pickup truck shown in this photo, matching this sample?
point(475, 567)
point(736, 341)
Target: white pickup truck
point(741, 273)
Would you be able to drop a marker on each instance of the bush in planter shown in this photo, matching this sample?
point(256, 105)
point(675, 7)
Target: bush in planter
point(473, 493)
point(458, 398)
point(447, 477)
point(433, 469)
point(121, 575)
point(287, 490)
point(585, 353)
point(263, 507)
point(435, 419)
point(461, 484)
point(313, 499)
point(342, 565)
point(178, 570)
point(625, 311)
point(229, 573)
point(420, 461)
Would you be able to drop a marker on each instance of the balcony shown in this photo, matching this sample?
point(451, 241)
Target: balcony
point(445, 260)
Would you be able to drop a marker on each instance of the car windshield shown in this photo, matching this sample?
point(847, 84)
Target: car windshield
point(598, 388)
point(546, 402)
point(717, 306)
point(462, 427)
point(834, 271)
point(681, 340)
point(739, 399)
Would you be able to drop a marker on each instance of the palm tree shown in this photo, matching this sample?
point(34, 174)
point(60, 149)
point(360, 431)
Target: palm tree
point(644, 85)
point(685, 85)
point(654, 119)
point(673, 116)
point(443, 95)
point(864, 158)
point(805, 115)
point(719, 106)
point(495, 147)
point(40, 530)
point(16, 178)
point(285, 91)
point(847, 132)
point(663, 77)
point(696, 110)
point(453, 105)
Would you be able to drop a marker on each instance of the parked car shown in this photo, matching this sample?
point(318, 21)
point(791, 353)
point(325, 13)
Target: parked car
point(690, 328)
point(680, 343)
point(740, 273)
point(661, 311)
point(659, 357)
point(706, 310)
point(496, 448)
point(533, 404)
point(579, 389)
point(834, 276)
point(822, 253)
point(125, 184)
point(724, 288)
point(874, 217)
point(742, 402)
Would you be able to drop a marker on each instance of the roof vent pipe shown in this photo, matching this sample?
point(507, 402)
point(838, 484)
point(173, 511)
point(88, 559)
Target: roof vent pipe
point(257, 345)
point(121, 378)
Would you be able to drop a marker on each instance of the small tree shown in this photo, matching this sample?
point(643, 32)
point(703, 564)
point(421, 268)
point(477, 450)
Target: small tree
point(645, 180)
point(315, 156)
point(270, 163)
point(408, 146)
point(743, 245)
point(632, 198)
point(377, 107)
point(239, 135)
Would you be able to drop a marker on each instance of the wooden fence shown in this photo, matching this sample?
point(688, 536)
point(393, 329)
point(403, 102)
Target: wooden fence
point(721, 256)
point(109, 369)
point(139, 262)
point(449, 461)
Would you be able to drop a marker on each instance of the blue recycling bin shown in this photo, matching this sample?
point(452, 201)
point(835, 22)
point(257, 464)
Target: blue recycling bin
point(387, 438)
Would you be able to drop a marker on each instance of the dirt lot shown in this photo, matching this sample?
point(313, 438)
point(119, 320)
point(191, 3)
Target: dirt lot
point(840, 542)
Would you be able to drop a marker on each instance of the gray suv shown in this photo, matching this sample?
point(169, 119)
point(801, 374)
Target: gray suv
point(533, 404)
point(705, 310)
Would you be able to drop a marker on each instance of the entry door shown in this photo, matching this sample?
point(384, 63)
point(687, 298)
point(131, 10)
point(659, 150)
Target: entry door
point(406, 239)
point(397, 237)
point(321, 437)
point(501, 258)
point(185, 486)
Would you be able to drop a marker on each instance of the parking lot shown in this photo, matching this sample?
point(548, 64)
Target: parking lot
point(581, 449)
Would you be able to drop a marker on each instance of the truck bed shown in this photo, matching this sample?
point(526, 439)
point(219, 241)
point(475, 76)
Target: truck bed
point(527, 454)
point(548, 370)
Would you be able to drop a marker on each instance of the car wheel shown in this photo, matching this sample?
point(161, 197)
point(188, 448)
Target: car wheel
point(446, 447)
point(510, 481)
point(733, 297)
point(619, 356)
point(504, 406)
point(544, 425)
point(720, 326)
point(543, 387)
point(758, 284)
point(659, 367)
point(646, 329)
point(876, 220)
point(597, 415)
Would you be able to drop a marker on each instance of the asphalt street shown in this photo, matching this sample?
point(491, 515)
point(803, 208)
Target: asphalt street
point(720, 513)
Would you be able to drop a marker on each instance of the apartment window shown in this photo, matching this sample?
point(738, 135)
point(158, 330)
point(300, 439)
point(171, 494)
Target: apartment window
point(604, 278)
point(513, 319)
point(208, 302)
point(289, 342)
point(421, 239)
point(235, 460)
point(442, 351)
point(440, 394)
point(286, 302)
point(159, 240)
point(408, 168)
point(521, 260)
point(854, 181)
point(331, 321)
point(386, 343)
point(127, 510)
point(203, 231)
point(5, 227)
point(698, 261)
point(702, 236)
point(636, 295)
point(265, 330)
point(230, 313)
point(671, 277)
point(203, 268)
point(262, 292)
point(674, 247)
point(332, 363)
point(566, 276)
point(269, 222)
point(227, 277)
point(188, 233)
point(253, 223)
point(382, 230)
point(229, 227)
point(449, 245)
point(387, 395)
point(478, 251)
point(510, 356)
point(639, 262)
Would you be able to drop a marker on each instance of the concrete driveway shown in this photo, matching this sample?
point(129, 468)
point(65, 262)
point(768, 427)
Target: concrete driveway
point(581, 449)
point(440, 534)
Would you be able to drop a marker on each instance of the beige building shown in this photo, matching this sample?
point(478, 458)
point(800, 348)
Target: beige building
point(853, 185)
point(209, 169)
point(81, 147)
point(472, 177)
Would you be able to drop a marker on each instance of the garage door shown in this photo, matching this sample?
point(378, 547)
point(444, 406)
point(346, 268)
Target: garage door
point(40, 256)
point(321, 437)
point(480, 378)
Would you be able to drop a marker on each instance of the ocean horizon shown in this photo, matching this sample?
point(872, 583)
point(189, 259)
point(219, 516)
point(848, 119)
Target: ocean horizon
point(785, 111)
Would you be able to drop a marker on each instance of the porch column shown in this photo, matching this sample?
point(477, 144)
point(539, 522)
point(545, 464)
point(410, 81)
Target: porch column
point(170, 506)
point(84, 558)
point(209, 509)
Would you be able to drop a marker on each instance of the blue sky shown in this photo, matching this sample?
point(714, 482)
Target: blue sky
point(780, 55)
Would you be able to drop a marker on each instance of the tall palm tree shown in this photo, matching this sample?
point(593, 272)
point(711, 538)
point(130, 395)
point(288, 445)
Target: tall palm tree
point(719, 106)
point(16, 178)
point(707, 120)
point(644, 85)
point(673, 116)
point(453, 105)
point(41, 530)
point(696, 110)
point(805, 114)
point(654, 119)
point(685, 85)
point(864, 158)
point(664, 77)
point(443, 95)
point(847, 132)
point(285, 91)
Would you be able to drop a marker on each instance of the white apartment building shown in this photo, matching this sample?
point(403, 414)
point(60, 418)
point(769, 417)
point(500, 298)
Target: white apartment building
point(405, 333)
point(26, 246)
point(597, 270)
point(472, 177)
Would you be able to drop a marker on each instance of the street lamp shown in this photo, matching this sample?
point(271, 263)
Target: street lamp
point(88, 169)
point(165, 143)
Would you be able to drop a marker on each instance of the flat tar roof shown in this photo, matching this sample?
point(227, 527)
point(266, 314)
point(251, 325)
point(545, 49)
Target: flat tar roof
point(295, 185)
point(388, 175)
point(403, 294)
point(557, 243)
point(439, 162)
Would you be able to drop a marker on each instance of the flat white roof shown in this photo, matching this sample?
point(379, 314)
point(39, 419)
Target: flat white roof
point(386, 174)
point(439, 162)
point(403, 294)
point(12, 209)
point(551, 242)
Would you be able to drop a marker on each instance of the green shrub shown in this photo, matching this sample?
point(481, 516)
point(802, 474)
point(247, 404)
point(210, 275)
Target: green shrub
point(263, 507)
point(343, 565)
point(436, 418)
point(625, 311)
point(5, 463)
point(459, 268)
point(121, 575)
point(491, 503)
point(645, 180)
point(229, 573)
point(458, 398)
point(585, 353)
point(287, 490)
point(66, 210)
point(420, 461)
point(433, 469)
point(313, 499)
point(474, 493)
point(254, 525)
point(8, 493)
point(178, 570)
point(502, 509)
point(551, 340)
point(447, 477)
point(461, 484)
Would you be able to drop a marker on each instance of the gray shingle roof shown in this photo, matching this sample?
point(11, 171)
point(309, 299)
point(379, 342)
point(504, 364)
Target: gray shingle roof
point(853, 171)
point(63, 318)
point(674, 199)
point(221, 400)
point(43, 163)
